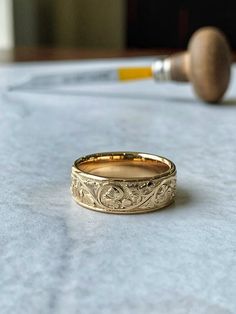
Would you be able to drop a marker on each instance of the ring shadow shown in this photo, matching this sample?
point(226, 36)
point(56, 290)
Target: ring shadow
point(183, 199)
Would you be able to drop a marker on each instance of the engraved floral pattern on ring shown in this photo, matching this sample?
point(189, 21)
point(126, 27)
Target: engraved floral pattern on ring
point(111, 196)
point(123, 196)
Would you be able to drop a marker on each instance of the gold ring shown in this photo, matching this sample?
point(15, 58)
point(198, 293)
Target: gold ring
point(123, 182)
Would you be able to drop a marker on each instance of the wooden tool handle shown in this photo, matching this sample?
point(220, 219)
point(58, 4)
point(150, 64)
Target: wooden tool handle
point(206, 64)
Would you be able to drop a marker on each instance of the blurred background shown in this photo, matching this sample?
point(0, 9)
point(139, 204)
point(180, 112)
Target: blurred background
point(34, 29)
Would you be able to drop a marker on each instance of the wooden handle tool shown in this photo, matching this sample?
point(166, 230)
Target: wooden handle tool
point(206, 64)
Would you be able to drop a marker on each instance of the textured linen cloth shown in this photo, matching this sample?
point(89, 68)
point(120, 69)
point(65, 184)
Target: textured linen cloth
point(57, 257)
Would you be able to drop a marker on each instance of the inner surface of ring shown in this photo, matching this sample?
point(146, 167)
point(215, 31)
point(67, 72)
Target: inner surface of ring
point(115, 167)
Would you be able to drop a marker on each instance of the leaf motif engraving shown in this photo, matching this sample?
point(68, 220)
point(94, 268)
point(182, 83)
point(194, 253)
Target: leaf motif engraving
point(122, 196)
point(111, 196)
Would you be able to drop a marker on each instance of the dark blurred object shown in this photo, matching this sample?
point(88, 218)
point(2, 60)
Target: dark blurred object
point(69, 23)
point(170, 24)
point(119, 24)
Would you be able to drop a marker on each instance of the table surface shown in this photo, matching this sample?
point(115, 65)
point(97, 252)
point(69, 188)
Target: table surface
point(57, 257)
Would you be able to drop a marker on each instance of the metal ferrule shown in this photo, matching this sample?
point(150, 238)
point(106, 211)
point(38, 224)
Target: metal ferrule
point(161, 70)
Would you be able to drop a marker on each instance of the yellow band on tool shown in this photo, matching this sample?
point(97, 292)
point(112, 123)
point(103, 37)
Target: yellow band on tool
point(126, 74)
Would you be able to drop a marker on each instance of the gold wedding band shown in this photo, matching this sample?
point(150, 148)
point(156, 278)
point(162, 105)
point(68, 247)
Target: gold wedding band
point(123, 182)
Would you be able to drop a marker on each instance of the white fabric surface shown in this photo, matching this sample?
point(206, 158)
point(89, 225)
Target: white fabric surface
point(57, 257)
